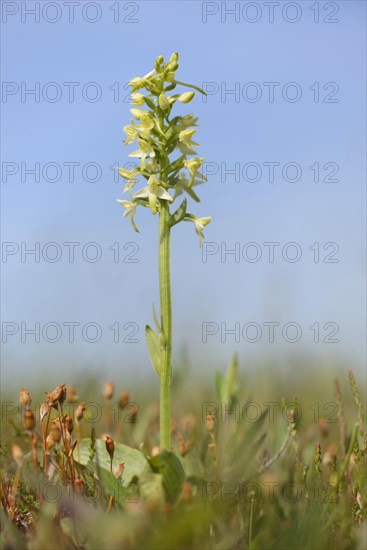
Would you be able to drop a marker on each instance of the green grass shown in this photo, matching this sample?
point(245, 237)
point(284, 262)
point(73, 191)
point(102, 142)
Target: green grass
point(279, 473)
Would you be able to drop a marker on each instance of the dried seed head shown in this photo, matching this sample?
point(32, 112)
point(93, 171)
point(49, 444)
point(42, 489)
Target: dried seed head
point(210, 422)
point(110, 446)
point(25, 398)
point(57, 396)
point(108, 390)
point(70, 394)
point(68, 423)
point(55, 432)
point(79, 412)
point(186, 492)
point(133, 414)
point(323, 427)
point(79, 485)
point(44, 408)
point(17, 454)
point(49, 442)
point(119, 470)
point(124, 399)
point(29, 420)
point(181, 446)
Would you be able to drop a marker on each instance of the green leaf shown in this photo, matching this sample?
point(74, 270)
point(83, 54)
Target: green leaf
point(219, 386)
point(135, 461)
point(192, 194)
point(156, 320)
point(226, 385)
point(230, 379)
point(190, 86)
point(151, 487)
point(179, 214)
point(154, 348)
point(121, 491)
point(167, 464)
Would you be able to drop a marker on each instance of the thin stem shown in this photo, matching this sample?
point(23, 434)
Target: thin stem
point(350, 450)
point(166, 325)
point(251, 521)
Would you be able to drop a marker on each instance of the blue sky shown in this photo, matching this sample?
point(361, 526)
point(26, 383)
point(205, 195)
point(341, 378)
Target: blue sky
point(324, 63)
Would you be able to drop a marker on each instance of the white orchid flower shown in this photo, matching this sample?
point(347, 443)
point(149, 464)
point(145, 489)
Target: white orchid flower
point(152, 192)
point(130, 208)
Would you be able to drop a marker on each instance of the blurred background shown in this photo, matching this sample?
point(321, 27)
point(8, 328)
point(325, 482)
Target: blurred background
point(282, 130)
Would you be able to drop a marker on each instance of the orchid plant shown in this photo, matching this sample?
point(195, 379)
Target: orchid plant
point(166, 161)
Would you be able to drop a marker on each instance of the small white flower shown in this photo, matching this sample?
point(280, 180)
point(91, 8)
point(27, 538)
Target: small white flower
point(130, 208)
point(200, 224)
point(152, 192)
point(192, 166)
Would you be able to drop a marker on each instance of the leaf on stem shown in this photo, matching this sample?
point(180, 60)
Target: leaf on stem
point(154, 348)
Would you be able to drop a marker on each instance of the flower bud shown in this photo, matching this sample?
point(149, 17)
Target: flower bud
point(29, 420)
point(163, 102)
point(174, 57)
point(25, 398)
point(108, 390)
point(136, 83)
point(124, 399)
point(186, 97)
point(79, 412)
point(158, 62)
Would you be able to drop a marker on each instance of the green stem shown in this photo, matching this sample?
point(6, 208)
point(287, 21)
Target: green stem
point(166, 326)
point(349, 454)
